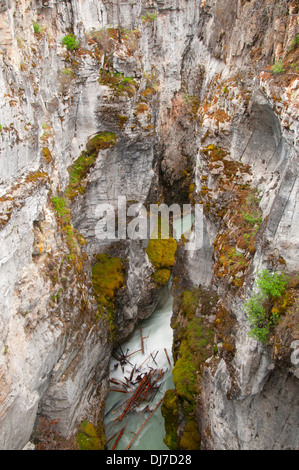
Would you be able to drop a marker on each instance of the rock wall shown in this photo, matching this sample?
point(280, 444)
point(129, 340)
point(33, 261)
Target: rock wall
point(247, 138)
point(55, 346)
point(197, 115)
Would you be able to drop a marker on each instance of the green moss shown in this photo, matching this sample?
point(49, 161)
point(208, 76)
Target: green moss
point(72, 236)
point(118, 82)
point(107, 278)
point(101, 141)
point(170, 412)
point(162, 252)
point(189, 302)
point(191, 437)
point(60, 206)
point(89, 438)
point(162, 276)
point(193, 352)
point(193, 345)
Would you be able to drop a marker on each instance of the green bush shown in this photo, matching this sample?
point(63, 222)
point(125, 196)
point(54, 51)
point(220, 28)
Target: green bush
point(259, 310)
point(70, 42)
point(36, 28)
point(272, 285)
point(277, 68)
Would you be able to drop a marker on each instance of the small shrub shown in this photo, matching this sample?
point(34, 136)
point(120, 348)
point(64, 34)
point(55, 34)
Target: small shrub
point(60, 206)
point(253, 218)
point(70, 42)
point(272, 285)
point(37, 28)
point(260, 313)
point(277, 68)
point(294, 43)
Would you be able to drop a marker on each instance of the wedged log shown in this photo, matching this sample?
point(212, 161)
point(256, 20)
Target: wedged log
point(118, 438)
point(148, 418)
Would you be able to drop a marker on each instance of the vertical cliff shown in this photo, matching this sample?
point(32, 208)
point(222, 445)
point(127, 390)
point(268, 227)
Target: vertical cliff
point(157, 101)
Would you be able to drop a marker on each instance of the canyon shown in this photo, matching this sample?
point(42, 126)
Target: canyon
point(158, 101)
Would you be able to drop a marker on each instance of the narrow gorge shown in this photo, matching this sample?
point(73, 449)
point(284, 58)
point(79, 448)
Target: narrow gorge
point(125, 105)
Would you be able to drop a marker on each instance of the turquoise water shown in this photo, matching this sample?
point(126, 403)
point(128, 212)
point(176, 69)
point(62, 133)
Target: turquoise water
point(158, 336)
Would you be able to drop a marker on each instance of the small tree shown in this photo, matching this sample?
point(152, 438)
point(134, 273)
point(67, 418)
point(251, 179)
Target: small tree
point(259, 307)
point(70, 42)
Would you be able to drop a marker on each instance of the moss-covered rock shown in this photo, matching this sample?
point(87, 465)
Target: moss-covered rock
point(191, 437)
point(193, 351)
point(170, 411)
point(162, 252)
point(193, 345)
point(107, 278)
point(82, 166)
point(162, 276)
point(101, 141)
point(89, 438)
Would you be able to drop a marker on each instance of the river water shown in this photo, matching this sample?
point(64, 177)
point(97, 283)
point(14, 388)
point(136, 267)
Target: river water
point(157, 340)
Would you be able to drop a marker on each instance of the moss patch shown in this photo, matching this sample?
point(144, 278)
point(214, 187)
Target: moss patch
point(73, 238)
point(46, 154)
point(162, 276)
point(107, 279)
point(193, 352)
point(170, 411)
point(89, 438)
point(82, 166)
point(162, 252)
point(191, 437)
point(193, 340)
point(101, 141)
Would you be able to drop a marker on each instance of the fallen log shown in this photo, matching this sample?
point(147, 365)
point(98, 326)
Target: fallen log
point(167, 356)
point(141, 337)
point(112, 437)
point(138, 350)
point(138, 432)
point(144, 361)
point(139, 394)
point(118, 438)
point(153, 358)
point(115, 382)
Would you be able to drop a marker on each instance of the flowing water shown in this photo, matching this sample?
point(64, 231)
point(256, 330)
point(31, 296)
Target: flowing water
point(158, 337)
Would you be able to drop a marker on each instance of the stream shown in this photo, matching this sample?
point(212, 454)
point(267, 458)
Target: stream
point(146, 419)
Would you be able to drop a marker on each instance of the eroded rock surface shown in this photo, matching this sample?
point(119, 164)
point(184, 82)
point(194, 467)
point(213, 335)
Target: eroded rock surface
point(191, 112)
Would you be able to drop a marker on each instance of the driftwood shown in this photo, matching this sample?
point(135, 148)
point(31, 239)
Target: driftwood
point(147, 419)
point(167, 356)
point(141, 337)
point(112, 437)
point(128, 355)
point(153, 358)
point(142, 392)
point(118, 438)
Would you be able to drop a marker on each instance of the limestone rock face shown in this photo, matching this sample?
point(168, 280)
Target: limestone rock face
point(197, 116)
